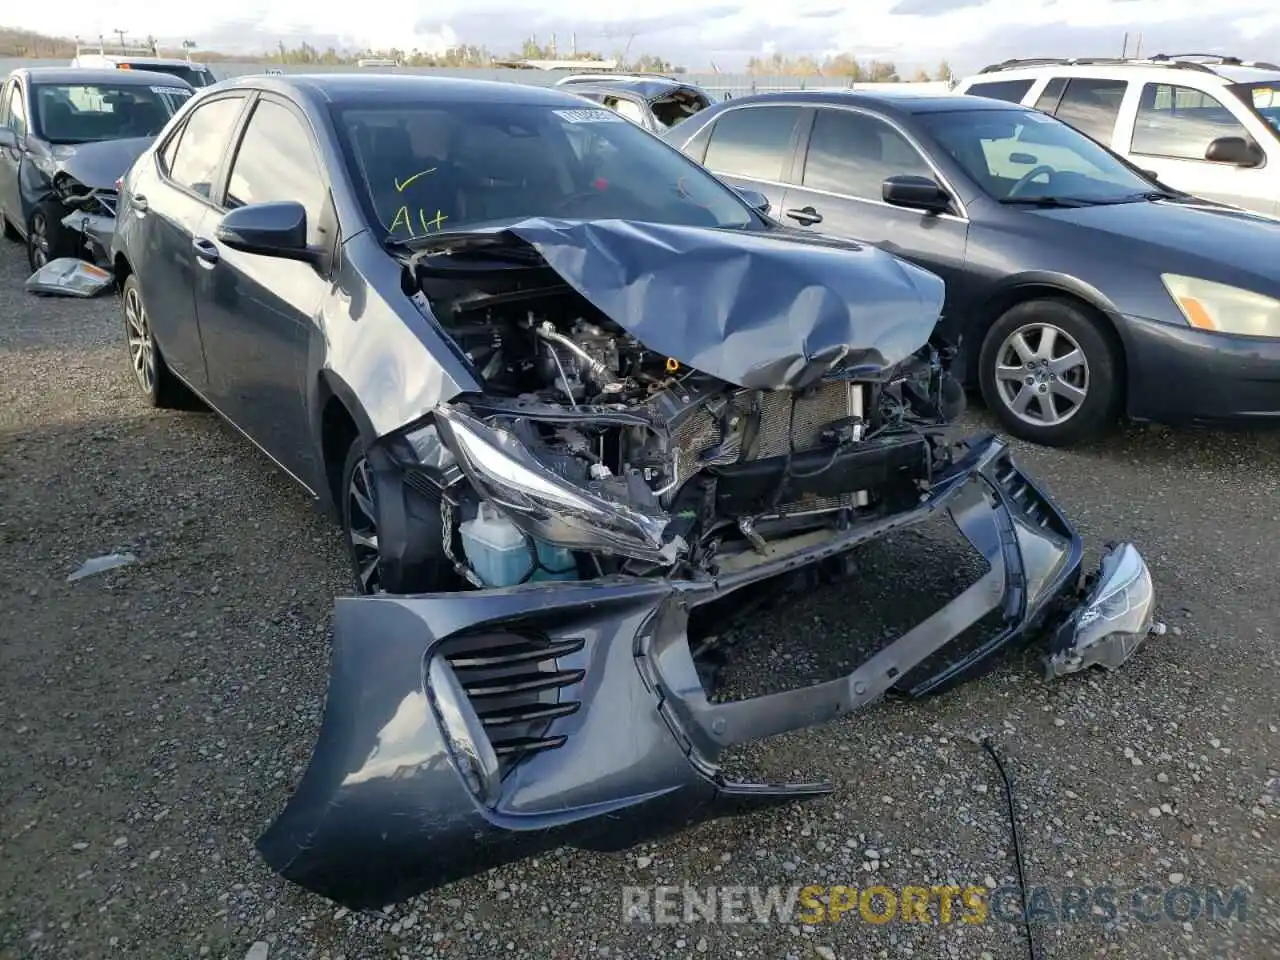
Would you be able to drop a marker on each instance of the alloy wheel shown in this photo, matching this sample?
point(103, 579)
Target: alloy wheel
point(142, 350)
point(363, 523)
point(39, 240)
point(1042, 374)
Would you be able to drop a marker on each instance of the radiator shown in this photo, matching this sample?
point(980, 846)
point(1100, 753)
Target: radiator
point(787, 421)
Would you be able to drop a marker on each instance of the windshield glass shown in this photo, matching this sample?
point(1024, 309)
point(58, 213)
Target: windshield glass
point(1024, 154)
point(431, 167)
point(1264, 98)
point(79, 113)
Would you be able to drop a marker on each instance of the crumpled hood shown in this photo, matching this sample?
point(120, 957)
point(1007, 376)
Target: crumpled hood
point(759, 310)
point(98, 165)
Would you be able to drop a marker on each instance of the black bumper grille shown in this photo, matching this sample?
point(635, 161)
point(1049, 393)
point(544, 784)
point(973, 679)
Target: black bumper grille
point(516, 687)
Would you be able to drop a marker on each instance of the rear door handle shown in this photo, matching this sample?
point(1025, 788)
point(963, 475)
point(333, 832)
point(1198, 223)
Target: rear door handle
point(206, 250)
point(139, 203)
point(805, 215)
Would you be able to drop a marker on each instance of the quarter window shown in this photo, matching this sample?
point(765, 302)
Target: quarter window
point(203, 142)
point(276, 162)
point(1091, 106)
point(1181, 122)
point(1009, 90)
point(752, 142)
point(852, 153)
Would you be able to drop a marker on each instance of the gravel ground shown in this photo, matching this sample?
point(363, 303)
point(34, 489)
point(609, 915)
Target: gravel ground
point(155, 717)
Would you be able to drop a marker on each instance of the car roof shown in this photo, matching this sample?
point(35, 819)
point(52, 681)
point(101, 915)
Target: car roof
point(366, 89)
point(897, 103)
point(140, 58)
point(89, 75)
point(650, 88)
point(1212, 74)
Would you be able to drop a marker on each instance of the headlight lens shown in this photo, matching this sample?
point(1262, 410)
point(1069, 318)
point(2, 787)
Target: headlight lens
point(1224, 309)
point(545, 505)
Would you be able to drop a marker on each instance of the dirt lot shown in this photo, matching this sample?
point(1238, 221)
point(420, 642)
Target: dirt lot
point(154, 718)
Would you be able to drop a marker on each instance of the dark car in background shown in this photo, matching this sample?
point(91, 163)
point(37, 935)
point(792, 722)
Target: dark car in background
point(577, 403)
point(66, 136)
point(1081, 288)
point(653, 101)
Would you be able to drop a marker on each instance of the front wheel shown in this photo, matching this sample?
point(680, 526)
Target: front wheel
point(47, 238)
point(360, 519)
point(1050, 373)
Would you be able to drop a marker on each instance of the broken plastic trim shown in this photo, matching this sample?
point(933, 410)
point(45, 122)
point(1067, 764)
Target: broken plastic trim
point(1113, 621)
point(388, 809)
point(543, 504)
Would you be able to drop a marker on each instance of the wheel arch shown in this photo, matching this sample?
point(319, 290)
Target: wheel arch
point(1027, 287)
point(338, 419)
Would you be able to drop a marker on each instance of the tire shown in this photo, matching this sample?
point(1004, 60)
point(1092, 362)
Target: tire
point(9, 230)
point(158, 386)
point(47, 239)
point(359, 519)
point(1069, 400)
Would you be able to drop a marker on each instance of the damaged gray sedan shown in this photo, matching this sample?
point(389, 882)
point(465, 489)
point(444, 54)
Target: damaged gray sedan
point(575, 401)
point(66, 137)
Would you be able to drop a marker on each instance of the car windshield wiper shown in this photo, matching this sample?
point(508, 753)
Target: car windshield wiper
point(485, 246)
point(1053, 201)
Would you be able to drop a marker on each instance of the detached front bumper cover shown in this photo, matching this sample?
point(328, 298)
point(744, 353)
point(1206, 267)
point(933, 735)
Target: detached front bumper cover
point(467, 730)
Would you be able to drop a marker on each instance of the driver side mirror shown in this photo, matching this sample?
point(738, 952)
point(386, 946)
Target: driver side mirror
point(1234, 150)
point(275, 229)
point(8, 138)
point(755, 200)
point(915, 193)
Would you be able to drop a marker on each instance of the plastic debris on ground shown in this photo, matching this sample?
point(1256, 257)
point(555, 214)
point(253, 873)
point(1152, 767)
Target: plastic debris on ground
point(102, 565)
point(69, 277)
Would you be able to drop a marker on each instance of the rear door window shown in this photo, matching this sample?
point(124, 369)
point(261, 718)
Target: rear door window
point(1092, 106)
point(753, 142)
point(204, 141)
point(1051, 94)
point(1009, 90)
point(1181, 122)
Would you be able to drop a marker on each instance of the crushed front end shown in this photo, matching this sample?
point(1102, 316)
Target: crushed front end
point(553, 546)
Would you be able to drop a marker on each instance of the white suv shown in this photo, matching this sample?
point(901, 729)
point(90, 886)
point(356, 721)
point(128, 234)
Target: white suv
point(1207, 125)
point(99, 57)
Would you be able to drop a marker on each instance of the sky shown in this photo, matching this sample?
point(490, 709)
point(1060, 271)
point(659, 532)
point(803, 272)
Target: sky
point(696, 33)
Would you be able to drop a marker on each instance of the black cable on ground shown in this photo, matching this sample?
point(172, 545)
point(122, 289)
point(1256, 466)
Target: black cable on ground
point(1017, 848)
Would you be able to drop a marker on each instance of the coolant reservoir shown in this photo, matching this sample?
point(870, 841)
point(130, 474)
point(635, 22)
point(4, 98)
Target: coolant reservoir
point(499, 553)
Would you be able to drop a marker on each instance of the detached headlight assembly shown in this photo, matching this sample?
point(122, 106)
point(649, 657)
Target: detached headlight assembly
point(1220, 308)
point(1114, 619)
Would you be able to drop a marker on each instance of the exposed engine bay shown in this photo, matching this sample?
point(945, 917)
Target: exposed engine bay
point(673, 421)
point(707, 468)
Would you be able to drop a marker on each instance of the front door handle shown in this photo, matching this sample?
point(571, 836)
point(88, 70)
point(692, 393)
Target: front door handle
point(805, 215)
point(206, 250)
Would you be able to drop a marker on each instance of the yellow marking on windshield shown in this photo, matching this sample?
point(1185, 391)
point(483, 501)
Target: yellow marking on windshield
point(400, 185)
point(403, 214)
point(436, 221)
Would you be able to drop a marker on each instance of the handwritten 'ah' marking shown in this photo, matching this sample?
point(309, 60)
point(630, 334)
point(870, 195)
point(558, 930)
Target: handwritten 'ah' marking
point(405, 219)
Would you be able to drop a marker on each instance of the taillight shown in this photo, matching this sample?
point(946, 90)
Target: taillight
point(119, 184)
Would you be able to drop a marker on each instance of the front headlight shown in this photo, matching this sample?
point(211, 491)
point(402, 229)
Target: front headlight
point(1223, 309)
point(544, 504)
